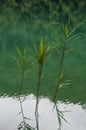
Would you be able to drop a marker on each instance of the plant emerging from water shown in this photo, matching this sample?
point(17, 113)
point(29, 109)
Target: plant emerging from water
point(61, 48)
point(40, 54)
point(23, 64)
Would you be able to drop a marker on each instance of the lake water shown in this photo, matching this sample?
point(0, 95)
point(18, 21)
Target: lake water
point(75, 114)
point(71, 99)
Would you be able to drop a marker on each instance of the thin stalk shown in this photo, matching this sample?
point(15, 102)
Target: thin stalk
point(37, 95)
point(22, 62)
point(60, 71)
point(40, 56)
point(59, 119)
point(20, 92)
point(22, 80)
point(22, 112)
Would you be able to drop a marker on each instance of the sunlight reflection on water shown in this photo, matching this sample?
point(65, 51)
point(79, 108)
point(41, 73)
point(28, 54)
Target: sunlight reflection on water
point(9, 118)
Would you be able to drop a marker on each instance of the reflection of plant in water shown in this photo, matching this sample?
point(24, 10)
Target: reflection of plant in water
point(40, 55)
point(22, 63)
point(24, 125)
point(60, 116)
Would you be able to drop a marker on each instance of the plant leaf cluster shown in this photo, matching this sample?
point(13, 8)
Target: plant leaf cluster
point(41, 53)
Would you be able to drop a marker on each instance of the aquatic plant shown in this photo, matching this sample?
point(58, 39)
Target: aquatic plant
point(61, 48)
point(40, 53)
point(22, 63)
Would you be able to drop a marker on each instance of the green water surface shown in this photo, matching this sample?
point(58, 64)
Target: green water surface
point(74, 64)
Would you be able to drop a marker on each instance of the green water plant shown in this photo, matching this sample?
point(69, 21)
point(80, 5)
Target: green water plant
point(23, 62)
point(61, 47)
point(40, 53)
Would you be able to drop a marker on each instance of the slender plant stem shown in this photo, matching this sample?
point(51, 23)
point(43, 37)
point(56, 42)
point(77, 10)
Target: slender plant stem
point(37, 95)
point(20, 92)
point(22, 80)
point(60, 71)
point(22, 112)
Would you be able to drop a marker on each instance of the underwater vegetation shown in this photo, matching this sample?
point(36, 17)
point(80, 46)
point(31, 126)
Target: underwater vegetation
point(38, 56)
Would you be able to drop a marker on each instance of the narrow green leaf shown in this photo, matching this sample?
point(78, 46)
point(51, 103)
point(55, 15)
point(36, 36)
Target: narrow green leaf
point(47, 58)
point(27, 72)
point(17, 61)
point(58, 52)
point(66, 30)
point(58, 36)
point(19, 64)
point(35, 47)
point(59, 43)
point(56, 48)
point(76, 36)
point(41, 48)
point(61, 77)
point(69, 50)
point(76, 27)
point(18, 51)
point(25, 53)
